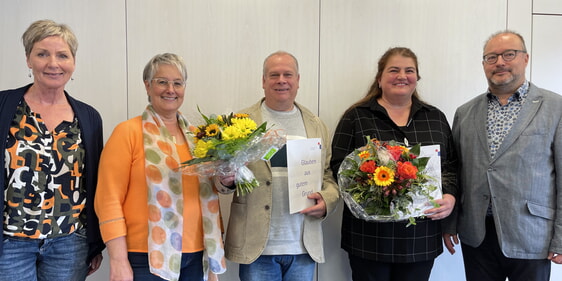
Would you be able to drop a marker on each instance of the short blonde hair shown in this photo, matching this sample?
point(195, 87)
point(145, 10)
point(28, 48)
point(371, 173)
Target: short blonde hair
point(42, 29)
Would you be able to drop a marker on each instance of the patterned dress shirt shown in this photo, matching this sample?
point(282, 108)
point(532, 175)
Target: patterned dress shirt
point(502, 117)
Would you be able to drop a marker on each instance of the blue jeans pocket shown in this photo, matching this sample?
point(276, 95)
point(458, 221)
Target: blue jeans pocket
point(60, 258)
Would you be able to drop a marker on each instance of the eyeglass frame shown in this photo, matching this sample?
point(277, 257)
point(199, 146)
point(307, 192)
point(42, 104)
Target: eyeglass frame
point(176, 84)
point(502, 55)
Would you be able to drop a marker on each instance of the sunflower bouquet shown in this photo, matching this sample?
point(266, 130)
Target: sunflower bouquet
point(225, 143)
point(386, 181)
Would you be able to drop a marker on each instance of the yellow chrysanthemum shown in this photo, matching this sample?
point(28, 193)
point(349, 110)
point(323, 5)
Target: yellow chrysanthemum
point(231, 133)
point(384, 176)
point(245, 125)
point(212, 130)
point(201, 148)
point(364, 154)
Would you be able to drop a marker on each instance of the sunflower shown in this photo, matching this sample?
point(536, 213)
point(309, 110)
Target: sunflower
point(384, 176)
point(199, 132)
point(212, 130)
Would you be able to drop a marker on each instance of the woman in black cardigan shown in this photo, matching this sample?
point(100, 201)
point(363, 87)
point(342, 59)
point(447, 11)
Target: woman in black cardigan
point(49, 155)
point(392, 110)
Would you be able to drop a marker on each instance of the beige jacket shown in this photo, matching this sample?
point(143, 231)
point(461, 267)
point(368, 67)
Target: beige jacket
point(248, 226)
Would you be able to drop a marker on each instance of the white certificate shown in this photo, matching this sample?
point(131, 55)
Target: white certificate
point(433, 170)
point(304, 168)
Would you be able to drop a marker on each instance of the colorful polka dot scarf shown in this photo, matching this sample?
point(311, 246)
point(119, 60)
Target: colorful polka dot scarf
point(165, 204)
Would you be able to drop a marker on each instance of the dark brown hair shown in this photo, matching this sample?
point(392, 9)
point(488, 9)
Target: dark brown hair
point(375, 91)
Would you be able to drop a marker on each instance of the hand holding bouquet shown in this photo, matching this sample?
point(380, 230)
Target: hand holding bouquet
point(226, 143)
point(380, 181)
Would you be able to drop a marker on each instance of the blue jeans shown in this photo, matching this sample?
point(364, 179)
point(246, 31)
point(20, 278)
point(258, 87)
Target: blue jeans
point(279, 268)
point(63, 258)
point(191, 267)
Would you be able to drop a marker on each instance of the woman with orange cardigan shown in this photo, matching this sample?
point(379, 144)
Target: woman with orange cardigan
point(157, 223)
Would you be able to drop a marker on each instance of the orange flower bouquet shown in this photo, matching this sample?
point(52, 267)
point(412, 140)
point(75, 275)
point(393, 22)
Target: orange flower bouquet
point(386, 181)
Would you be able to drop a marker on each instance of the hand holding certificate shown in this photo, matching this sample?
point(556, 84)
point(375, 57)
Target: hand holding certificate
point(304, 167)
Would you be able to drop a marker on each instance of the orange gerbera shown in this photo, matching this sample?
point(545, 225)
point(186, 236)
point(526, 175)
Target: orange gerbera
point(384, 176)
point(364, 154)
point(241, 115)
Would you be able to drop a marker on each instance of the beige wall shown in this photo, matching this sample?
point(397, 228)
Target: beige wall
point(337, 43)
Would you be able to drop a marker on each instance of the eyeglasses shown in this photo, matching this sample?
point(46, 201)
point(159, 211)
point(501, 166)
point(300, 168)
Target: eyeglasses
point(508, 55)
point(163, 83)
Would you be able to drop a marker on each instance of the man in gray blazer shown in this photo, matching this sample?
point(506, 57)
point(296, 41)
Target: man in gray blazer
point(509, 140)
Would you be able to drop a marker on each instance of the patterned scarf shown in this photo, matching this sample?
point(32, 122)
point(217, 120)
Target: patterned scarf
point(165, 204)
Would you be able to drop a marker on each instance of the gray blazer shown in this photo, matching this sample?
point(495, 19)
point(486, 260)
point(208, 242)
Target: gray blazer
point(524, 180)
